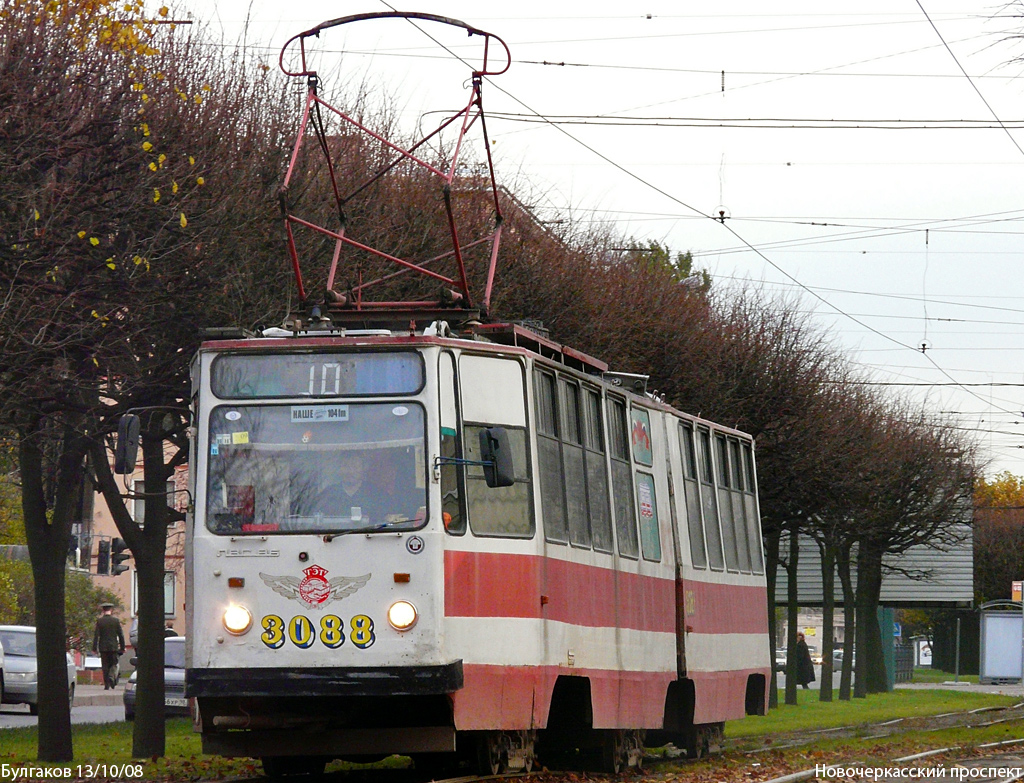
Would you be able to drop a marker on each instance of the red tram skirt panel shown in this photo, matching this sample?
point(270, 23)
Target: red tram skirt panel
point(509, 686)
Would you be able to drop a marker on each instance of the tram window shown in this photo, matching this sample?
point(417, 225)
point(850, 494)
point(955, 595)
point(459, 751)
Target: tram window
point(738, 507)
point(691, 491)
point(709, 501)
point(549, 459)
point(452, 516)
point(597, 473)
point(705, 458)
point(750, 505)
point(594, 430)
point(748, 462)
point(723, 461)
point(451, 501)
point(737, 464)
point(545, 392)
point(574, 470)
point(248, 376)
point(498, 511)
point(622, 479)
point(316, 468)
point(572, 432)
point(650, 536)
point(686, 446)
point(725, 511)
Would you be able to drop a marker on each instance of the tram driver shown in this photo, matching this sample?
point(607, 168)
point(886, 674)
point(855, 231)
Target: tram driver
point(348, 494)
point(378, 489)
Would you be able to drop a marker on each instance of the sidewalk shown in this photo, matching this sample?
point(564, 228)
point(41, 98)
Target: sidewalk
point(1016, 689)
point(95, 696)
point(965, 687)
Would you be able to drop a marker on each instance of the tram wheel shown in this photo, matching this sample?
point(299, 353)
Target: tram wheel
point(614, 758)
point(281, 767)
point(621, 749)
point(490, 753)
point(695, 743)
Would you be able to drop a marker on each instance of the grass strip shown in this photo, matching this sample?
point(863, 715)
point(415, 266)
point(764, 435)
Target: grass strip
point(809, 713)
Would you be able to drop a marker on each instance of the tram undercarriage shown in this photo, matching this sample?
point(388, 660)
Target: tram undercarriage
point(299, 735)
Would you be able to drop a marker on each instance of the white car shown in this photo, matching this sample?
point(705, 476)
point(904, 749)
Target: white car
point(20, 672)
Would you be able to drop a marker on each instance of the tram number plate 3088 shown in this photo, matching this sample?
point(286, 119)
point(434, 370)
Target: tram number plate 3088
point(330, 631)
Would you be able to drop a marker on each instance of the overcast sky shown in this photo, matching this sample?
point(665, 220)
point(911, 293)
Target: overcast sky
point(869, 163)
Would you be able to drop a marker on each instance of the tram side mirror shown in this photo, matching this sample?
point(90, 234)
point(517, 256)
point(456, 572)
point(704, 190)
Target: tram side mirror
point(495, 450)
point(126, 448)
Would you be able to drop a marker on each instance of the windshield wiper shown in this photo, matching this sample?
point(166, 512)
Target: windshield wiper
point(372, 529)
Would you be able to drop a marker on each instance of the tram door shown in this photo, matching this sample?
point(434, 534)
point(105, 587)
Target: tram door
point(687, 527)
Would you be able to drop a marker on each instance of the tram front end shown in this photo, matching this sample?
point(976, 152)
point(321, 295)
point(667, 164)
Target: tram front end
point(315, 566)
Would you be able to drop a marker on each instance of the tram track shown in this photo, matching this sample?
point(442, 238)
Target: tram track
point(880, 730)
point(661, 764)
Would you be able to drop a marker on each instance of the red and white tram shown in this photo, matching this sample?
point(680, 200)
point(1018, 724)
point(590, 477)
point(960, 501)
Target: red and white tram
point(471, 544)
point(358, 588)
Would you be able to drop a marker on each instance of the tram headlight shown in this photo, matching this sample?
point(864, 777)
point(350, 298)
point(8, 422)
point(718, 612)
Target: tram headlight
point(237, 619)
point(402, 615)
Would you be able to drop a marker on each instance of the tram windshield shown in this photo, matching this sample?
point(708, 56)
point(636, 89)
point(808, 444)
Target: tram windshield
point(316, 468)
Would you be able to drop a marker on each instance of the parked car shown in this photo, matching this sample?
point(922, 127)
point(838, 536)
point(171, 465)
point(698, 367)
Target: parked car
point(20, 672)
point(780, 659)
point(837, 659)
point(175, 702)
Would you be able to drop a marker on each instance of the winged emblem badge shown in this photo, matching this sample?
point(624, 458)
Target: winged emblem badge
point(315, 589)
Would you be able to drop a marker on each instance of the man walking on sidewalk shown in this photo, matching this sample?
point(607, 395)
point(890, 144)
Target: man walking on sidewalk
point(108, 641)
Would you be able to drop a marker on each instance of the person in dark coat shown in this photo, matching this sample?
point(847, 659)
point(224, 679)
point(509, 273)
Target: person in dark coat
point(108, 641)
point(804, 664)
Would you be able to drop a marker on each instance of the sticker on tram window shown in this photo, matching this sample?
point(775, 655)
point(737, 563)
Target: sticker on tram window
point(330, 631)
point(315, 414)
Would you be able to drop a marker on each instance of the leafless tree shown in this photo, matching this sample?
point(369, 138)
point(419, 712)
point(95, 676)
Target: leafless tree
point(139, 170)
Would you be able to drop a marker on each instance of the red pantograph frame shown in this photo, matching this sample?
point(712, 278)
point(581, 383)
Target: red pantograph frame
point(469, 115)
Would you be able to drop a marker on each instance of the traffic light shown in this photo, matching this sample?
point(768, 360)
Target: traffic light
point(103, 559)
point(126, 447)
point(118, 556)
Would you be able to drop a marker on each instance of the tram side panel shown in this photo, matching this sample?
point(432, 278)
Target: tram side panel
point(722, 593)
point(522, 613)
point(491, 562)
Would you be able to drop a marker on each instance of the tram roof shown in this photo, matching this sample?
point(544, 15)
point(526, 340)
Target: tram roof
point(521, 339)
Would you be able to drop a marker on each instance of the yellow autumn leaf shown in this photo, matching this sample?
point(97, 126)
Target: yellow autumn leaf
point(95, 362)
point(163, 11)
point(145, 129)
point(81, 235)
point(93, 241)
point(147, 146)
point(152, 167)
point(174, 187)
point(191, 161)
point(200, 181)
point(36, 211)
point(161, 159)
point(183, 221)
point(111, 264)
point(156, 195)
